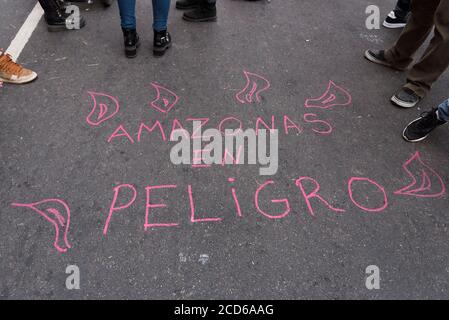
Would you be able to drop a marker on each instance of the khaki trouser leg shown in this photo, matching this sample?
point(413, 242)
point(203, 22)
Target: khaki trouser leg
point(436, 58)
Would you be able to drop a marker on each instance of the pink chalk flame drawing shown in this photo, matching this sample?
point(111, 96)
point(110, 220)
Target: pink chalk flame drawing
point(255, 85)
point(335, 96)
point(165, 99)
point(102, 112)
point(426, 183)
point(59, 219)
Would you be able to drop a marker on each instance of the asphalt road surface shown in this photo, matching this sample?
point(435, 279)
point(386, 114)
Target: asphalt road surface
point(381, 202)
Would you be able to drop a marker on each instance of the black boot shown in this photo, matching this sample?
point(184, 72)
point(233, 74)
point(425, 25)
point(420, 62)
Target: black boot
point(187, 4)
point(132, 42)
point(205, 12)
point(162, 42)
point(57, 19)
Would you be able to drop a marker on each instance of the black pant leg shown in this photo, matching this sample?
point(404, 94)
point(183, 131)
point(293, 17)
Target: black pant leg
point(403, 8)
point(50, 7)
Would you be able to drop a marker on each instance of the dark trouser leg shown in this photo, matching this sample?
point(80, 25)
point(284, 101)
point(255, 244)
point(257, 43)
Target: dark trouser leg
point(436, 58)
point(50, 7)
point(402, 8)
point(414, 34)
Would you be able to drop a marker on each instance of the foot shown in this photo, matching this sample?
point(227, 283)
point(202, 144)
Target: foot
point(187, 4)
point(405, 98)
point(204, 13)
point(420, 128)
point(132, 42)
point(162, 42)
point(12, 72)
point(393, 22)
point(378, 57)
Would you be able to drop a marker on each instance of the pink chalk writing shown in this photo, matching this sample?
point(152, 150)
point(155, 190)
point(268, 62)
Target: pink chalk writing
point(426, 182)
point(113, 206)
point(314, 195)
point(378, 186)
point(150, 205)
point(334, 96)
point(266, 214)
point(193, 218)
point(102, 111)
point(59, 218)
point(142, 131)
point(289, 124)
point(255, 85)
point(236, 200)
point(165, 99)
point(313, 118)
point(121, 132)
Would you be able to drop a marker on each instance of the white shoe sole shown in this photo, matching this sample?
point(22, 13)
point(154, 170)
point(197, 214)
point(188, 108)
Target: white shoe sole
point(416, 140)
point(28, 79)
point(393, 25)
point(402, 104)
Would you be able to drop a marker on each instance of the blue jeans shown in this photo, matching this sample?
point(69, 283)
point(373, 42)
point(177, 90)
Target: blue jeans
point(160, 14)
point(443, 111)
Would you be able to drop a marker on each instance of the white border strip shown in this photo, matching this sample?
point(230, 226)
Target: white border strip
point(21, 39)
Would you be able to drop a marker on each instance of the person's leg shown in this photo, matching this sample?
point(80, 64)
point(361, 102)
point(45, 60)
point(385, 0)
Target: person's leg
point(50, 7)
point(187, 4)
point(402, 8)
point(127, 10)
point(128, 22)
point(162, 39)
point(418, 28)
point(443, 111)
point(436, 58)
point(161, 9)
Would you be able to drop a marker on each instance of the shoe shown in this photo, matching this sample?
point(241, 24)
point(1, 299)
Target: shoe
point(405, 98)
point(420, 128)
point(62, 21)
point(204, 13)
point(12, 72)
point(107, 3)
point(162, 42)
point(187, 4)
point(132, 42)
point(378, 57)
point(393, 22)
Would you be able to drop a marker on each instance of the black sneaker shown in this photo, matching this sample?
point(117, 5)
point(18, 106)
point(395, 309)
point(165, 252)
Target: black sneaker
point(405, 98)
point(419, 129)
point(393, 21)
point(204, 13)
point(162, 42)
point(132, 42)
point(187, 4)
point(378, 57)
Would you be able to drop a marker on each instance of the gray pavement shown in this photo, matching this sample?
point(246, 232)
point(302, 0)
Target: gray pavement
point(49, 151)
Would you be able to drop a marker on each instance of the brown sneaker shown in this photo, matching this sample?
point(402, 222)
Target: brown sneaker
point(12, 72)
